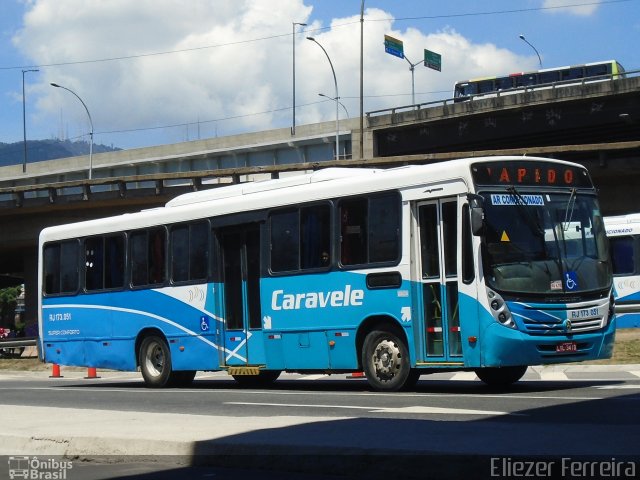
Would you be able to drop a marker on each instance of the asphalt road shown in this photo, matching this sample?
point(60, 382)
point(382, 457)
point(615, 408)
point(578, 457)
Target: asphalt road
point(583, 414)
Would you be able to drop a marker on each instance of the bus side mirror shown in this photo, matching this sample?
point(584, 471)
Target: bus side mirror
point(476, 204)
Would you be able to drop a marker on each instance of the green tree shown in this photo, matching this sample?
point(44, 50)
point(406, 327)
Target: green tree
point(8, 302)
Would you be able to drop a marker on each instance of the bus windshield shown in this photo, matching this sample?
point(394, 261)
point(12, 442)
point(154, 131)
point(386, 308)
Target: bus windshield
point(545, 243)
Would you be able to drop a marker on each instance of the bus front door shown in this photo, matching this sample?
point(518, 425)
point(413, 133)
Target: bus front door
point(438, 237)
point(241, 273)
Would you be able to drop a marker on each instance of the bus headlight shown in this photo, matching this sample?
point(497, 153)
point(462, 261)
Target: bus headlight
point(499, 309)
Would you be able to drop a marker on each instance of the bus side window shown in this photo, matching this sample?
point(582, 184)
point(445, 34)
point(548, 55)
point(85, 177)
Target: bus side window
point(384, 228)
point(148, 255)
point(61, 267)
point(504, 83)
point(94, 263)
point(138, 258)
point(157, 249)
point(315, 236)
point(51, 267)
point(285, 240)
point(622, 255)
point(114, 256)
point(189, 252)
point(573, 73)
point(353, 231)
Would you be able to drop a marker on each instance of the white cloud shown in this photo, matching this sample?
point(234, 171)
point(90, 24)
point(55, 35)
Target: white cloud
point(239, 77)
point(572, 8)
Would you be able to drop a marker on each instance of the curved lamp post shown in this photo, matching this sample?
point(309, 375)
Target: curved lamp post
point(333, 99)
point(534, 48)
point(293, 36)
point(90, 121)
point(335, 81)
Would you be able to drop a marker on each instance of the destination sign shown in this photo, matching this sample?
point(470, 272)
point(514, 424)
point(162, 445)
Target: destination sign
point(529, 173)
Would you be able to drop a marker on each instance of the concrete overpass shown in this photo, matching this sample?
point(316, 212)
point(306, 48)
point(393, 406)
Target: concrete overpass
point(597, 124)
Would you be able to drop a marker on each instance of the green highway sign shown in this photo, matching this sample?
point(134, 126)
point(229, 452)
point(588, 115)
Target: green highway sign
point(432, 60)
point(393, 46)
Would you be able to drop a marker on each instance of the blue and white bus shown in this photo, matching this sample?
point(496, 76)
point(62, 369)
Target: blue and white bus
point(487, 265)
point(624, 238)
point(546, 78)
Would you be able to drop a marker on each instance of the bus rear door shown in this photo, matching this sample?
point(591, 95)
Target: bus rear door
point(241, 299)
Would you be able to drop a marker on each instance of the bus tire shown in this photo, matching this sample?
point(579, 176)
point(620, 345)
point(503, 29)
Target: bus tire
point(182, 378)
point(385, 361)
point(500, 376)
point(263, 379)
point(155, 362)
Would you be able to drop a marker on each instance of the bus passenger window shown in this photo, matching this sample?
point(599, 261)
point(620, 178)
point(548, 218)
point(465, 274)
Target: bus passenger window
point(138, 258)
point(198, 251)
point(189, 252)
point(353, 230)
point(384, 228)
point(51, 273)
point(315, 236)
point(548, 77)
point(504, 83)
point(285, 241)
point(114, 261)
point(61, 267)
point(573, 73)
point(147, 251)
point(94, 263)
point(180, 253)
point(622, 255)
point(486, 86)
point(157, 241)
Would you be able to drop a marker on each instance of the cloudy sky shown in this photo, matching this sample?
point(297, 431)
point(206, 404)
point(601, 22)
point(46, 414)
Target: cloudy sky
point(164, 71)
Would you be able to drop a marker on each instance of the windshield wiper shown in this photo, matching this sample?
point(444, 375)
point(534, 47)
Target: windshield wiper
point(523, 207)
point(568, 214)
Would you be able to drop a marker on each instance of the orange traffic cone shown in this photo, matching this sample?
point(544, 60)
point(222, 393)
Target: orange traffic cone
point(91, 373)
point(55, 371)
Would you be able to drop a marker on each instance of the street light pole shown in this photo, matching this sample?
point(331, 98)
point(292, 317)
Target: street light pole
point(335, 81)
point(534, 48)
point(24, 121)
point(90, 121)
point(361, 79)
point(293, 38)
point(412, 67)
point(341, 104)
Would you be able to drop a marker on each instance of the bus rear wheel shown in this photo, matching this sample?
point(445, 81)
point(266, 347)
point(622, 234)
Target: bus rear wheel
point(155, 362)
point(500, 376)
point(385, 361)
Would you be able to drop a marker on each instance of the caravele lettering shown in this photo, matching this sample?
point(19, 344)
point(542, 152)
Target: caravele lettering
point(347, 297)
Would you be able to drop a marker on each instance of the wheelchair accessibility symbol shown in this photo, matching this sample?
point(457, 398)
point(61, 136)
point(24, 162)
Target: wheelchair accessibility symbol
point(571, 280)
point(204, 324)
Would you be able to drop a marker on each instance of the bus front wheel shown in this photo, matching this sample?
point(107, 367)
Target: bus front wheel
point(155, 362)
point(500, 376)
point(385, 361)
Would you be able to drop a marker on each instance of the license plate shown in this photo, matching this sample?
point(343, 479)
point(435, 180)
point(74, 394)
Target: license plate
point(566, 347)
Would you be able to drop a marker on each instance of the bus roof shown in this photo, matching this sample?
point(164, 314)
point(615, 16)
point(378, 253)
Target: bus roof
point(291, 191)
